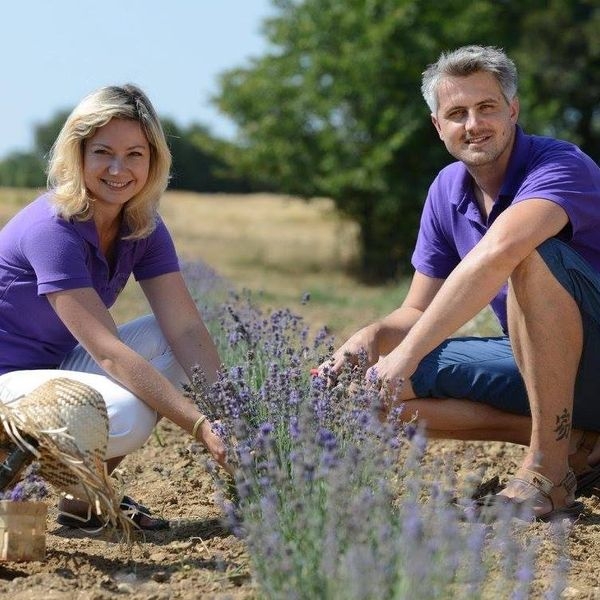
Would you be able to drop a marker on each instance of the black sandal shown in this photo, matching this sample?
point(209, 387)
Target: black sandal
point(138, 513)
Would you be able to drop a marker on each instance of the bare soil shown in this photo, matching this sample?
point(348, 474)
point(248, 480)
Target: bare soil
point(197, 557)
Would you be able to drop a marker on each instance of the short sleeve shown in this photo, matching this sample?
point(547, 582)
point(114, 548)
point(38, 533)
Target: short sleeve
point(158, 256)
point(568, 177)
point(435, 253)
point(56, 255)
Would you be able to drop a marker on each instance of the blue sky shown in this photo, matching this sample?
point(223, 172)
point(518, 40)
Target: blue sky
point(53, 52)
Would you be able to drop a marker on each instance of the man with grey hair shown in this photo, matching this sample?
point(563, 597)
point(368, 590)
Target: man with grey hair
point(514, 223)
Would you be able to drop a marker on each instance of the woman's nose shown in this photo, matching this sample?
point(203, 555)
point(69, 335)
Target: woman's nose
point(115, 165)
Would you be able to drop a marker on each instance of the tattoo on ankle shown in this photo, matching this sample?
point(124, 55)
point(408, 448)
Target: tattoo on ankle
point(563, 425)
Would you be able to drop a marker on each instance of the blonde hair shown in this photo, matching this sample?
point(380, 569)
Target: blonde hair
point(65, 167)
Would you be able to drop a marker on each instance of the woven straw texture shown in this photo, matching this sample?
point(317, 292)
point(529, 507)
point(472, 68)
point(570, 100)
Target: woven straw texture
point(68, 420)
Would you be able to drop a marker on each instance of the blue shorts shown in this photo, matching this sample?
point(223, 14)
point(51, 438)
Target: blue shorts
point(484, 369)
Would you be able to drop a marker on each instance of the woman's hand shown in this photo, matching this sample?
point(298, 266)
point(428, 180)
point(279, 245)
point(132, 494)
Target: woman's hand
point(214, 444)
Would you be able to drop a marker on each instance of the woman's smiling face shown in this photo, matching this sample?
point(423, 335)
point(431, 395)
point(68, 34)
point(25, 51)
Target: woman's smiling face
point(116, 162)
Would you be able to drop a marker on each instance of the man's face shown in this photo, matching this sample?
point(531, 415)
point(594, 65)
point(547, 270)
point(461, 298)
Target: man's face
point(474, 120)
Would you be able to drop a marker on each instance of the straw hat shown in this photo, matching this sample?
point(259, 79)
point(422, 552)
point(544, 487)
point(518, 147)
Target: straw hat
point(69, 423)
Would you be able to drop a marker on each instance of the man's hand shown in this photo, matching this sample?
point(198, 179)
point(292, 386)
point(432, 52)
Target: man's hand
point(362, 342)
point(390, 372)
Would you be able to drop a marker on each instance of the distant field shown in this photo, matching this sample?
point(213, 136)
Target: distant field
point(275, 246)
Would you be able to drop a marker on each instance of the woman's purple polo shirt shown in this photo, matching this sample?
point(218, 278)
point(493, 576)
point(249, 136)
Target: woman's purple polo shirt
point(42, 253)
point(539, 167)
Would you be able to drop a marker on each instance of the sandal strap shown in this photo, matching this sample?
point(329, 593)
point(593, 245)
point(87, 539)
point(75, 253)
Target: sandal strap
point(569, 483)
point(588, 441)
point(579, 459)
point(537, 480)
point(558, 493)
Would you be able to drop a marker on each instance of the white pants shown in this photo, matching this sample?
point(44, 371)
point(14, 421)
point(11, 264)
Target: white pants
point(130, 420)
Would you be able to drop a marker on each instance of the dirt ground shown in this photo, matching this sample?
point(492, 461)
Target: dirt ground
point(197, 558)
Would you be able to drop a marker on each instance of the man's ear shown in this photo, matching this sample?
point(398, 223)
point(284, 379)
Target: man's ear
point(514, 110)
point(437, 126)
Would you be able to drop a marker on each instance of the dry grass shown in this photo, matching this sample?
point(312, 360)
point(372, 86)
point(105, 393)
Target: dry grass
point(275, 246)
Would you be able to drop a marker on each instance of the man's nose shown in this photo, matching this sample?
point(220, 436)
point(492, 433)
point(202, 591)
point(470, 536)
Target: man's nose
point(472, 119)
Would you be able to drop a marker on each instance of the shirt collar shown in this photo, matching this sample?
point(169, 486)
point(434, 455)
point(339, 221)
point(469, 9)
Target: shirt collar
point(87, 230)
point(516, 165)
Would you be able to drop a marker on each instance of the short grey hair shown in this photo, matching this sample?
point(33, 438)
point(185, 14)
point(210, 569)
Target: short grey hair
point(466, 61)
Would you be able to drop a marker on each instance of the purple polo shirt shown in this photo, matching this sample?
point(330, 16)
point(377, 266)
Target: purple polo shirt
point(539, 167)
point(42, 253)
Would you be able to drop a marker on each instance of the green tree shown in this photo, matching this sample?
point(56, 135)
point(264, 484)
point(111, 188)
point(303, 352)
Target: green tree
point(28, 169)
point(22, 170)
point(198, 161)
point(334, 108)
point(44, 134)
point(559, 61)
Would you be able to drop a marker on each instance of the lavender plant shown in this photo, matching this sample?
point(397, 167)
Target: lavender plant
point(30, 488)
point(333, 501)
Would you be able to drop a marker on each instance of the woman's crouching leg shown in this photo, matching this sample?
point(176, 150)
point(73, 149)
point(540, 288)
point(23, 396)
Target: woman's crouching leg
point(130, 421)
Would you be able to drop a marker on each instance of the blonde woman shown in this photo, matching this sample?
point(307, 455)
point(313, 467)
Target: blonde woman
point(65, 258)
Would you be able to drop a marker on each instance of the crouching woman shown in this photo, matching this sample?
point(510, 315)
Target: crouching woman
point(64, 260)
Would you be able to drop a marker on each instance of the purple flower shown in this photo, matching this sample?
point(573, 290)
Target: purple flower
point(328, 496)
point(30, 488)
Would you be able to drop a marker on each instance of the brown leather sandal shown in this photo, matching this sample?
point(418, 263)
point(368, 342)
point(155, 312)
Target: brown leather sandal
point(588, 478)
point(557, 494)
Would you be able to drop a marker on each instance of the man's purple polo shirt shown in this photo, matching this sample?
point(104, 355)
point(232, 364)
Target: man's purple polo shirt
point(539, 167)
point(42, 253)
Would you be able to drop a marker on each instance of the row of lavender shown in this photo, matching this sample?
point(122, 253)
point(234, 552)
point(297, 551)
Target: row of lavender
point(334, 503)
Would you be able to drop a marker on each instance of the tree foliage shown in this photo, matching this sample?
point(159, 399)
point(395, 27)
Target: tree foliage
point(28, 169)
point(559, 59)
point(22, 170)
point(334, 108)
point(198, 162)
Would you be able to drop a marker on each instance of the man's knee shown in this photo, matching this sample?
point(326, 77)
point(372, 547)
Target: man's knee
point(530, 270)
point(539, 276)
